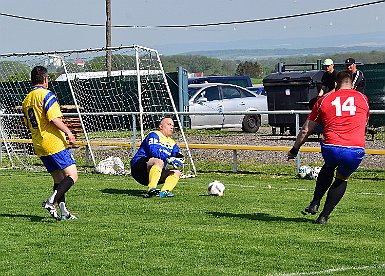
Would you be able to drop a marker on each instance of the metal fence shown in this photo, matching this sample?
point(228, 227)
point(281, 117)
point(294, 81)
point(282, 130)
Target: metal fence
point(132, 144)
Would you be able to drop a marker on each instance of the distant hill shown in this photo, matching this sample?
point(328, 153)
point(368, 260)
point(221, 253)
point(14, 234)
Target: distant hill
point(259, 54)
point(259, 48)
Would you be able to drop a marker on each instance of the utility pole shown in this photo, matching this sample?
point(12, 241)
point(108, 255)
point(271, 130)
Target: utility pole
point(108, 37)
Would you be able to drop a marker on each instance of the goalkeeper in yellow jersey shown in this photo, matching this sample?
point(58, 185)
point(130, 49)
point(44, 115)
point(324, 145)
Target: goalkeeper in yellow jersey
point(42, 116)
point(149, 165)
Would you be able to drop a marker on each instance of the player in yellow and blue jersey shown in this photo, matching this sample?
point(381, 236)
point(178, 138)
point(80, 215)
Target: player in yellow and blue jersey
point(149, 165)
point(42, 116)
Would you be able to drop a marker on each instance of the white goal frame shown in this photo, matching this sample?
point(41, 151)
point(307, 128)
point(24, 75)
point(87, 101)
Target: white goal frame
point(147, 65)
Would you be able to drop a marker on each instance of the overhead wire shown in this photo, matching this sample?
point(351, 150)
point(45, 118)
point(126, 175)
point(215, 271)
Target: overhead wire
point(197, 25)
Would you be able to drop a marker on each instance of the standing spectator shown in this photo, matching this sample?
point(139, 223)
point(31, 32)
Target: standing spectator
point(359, 82)
point(148, 166)
point(344, 115)
point(328, 78)
point(42, 116)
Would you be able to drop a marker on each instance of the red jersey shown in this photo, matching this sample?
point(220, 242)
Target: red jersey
point(344, 114)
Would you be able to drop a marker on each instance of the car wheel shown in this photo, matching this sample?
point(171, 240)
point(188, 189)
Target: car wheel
point(251, 123)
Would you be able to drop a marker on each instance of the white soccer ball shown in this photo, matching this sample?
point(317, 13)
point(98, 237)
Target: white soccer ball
point(304, 172)
point(216, 188)
point(315, 172)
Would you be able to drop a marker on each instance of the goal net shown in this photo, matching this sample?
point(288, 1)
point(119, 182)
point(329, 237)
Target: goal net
point(110, 98)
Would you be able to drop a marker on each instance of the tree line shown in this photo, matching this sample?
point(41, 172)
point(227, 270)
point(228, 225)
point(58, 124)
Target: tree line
point(202, 64)
point(257, 69)
point(212, 66)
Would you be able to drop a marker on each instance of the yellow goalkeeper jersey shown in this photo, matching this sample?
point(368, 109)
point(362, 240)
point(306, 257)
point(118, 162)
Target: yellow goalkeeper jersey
point(40, 107)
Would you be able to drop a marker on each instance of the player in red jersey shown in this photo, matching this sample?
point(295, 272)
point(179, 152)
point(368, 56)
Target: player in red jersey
point(344, 115)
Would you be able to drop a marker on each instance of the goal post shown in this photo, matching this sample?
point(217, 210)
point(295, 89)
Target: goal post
point(109, 108)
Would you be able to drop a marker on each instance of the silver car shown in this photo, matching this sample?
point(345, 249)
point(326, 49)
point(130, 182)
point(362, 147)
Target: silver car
point(220, 98)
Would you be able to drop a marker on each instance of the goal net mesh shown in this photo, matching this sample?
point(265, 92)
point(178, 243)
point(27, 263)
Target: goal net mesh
point(110, 98)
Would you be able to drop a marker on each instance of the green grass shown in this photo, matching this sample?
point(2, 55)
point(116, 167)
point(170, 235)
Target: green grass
point(252, 230)
point(257, 81)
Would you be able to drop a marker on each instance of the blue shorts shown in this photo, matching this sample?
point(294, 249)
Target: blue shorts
point(346, 160)
point(58, 161)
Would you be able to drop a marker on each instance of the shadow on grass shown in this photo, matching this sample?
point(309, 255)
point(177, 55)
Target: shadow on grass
point(138, 193)
point(223, 170)
point(32, 218)
point(259, 216)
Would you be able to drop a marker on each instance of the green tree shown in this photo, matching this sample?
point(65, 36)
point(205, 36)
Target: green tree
point(249, 68)
point(14, 71)
point(197, 64)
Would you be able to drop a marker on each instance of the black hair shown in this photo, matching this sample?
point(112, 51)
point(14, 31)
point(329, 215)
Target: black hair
point(344, 76)
point(38, 74)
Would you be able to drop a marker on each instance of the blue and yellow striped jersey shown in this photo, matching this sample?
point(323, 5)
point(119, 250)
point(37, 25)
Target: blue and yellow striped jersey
point(40, 107)
point(155, 144)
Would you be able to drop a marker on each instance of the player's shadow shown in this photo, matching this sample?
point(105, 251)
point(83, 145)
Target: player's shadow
point(259, 216)
point(32, 218)
point(138, 193)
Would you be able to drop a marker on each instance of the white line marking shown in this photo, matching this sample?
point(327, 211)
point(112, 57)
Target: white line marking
point(331, 270)
point(298, 189)
point(242, 186)
point(250, 186)
point(363, 193)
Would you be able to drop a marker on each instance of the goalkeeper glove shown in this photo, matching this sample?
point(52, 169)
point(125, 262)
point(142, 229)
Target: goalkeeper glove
point(175, 162)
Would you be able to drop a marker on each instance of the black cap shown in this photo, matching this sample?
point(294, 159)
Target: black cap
point(350, 61)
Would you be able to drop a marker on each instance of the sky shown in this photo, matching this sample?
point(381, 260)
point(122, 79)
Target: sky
point(364, 25)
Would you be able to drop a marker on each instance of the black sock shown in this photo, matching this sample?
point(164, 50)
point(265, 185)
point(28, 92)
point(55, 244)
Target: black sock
point(62, 199)
point(336, 192)
point(324, 180)
point(63, 187)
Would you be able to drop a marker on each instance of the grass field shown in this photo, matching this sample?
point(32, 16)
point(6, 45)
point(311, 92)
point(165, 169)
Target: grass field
point(252, 230)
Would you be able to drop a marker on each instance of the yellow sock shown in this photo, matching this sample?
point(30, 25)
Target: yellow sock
point(154, 176)
point(170, 182)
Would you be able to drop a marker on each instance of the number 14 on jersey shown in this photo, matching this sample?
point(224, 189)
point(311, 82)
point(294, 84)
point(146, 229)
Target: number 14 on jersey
point(347, 105)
